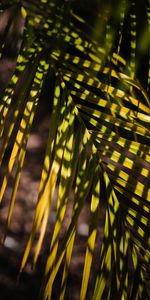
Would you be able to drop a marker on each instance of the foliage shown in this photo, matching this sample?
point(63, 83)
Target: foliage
point(98, 143)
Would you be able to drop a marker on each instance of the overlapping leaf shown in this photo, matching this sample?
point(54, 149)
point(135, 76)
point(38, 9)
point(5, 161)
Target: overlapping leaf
point(99, 134)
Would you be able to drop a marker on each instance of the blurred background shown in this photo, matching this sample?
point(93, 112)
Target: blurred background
point(28, 285)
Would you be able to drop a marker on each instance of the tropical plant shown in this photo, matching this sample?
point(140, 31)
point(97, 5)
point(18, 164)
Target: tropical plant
point(98, 143)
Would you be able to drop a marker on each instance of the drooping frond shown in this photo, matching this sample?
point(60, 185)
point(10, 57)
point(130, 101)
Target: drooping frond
point(99, 136)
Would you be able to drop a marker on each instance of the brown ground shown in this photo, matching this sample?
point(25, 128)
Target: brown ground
point(12, 250)
point(17, 235)
point(21, 224)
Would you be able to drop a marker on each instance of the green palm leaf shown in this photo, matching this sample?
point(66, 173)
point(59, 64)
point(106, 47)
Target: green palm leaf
point(98, 143)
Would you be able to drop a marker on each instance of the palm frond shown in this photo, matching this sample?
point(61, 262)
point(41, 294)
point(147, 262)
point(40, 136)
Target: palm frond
point(98, 143)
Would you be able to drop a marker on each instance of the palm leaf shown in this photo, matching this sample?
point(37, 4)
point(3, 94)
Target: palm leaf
point(99, 134)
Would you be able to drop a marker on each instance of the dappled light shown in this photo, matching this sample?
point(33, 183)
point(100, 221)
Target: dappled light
point(74, 149)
